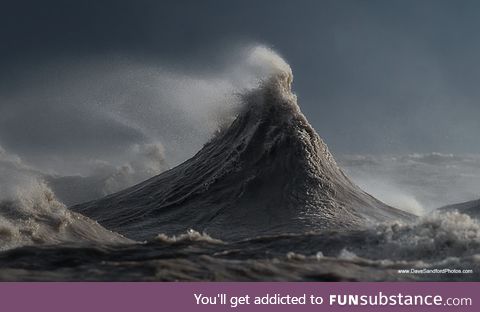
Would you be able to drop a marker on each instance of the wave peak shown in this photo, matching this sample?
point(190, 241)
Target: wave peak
point(268, 172)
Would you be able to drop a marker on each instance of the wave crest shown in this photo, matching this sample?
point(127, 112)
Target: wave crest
point(190, 236)
point(34, 216)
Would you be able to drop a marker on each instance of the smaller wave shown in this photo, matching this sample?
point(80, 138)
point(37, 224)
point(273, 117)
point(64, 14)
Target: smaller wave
point(190, 236)
point(435, 236)
point(35, 217)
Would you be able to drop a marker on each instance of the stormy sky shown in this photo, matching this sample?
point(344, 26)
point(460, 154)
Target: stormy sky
point(371, 76)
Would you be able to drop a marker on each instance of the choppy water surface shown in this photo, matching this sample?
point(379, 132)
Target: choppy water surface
point(451, 241)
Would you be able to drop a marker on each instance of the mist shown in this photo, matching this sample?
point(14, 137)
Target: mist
point(418, 183)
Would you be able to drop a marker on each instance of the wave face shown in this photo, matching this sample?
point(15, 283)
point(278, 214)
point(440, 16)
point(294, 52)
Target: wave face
point(268, 172)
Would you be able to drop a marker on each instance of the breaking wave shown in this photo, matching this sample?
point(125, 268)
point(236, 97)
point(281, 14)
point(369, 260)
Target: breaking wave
point(30, 214)
point(267, 172)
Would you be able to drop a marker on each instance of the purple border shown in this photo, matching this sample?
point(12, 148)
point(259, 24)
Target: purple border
point(139, 297)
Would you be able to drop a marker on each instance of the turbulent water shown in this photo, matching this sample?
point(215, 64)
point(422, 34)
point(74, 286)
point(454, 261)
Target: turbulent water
point(373, 254)
point(262, 200)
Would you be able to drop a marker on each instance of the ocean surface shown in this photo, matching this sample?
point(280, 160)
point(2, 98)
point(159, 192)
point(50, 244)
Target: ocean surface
point(363, 255)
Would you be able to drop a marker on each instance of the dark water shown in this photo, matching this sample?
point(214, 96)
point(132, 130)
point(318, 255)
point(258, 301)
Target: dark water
point(450, 241)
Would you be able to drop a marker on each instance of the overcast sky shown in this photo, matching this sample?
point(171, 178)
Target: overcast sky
point(371, 76)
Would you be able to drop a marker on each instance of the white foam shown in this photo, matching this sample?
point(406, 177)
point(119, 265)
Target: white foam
point(190, 235)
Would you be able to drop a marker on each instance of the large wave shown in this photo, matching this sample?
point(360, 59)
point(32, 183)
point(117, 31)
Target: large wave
point(268, 172)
